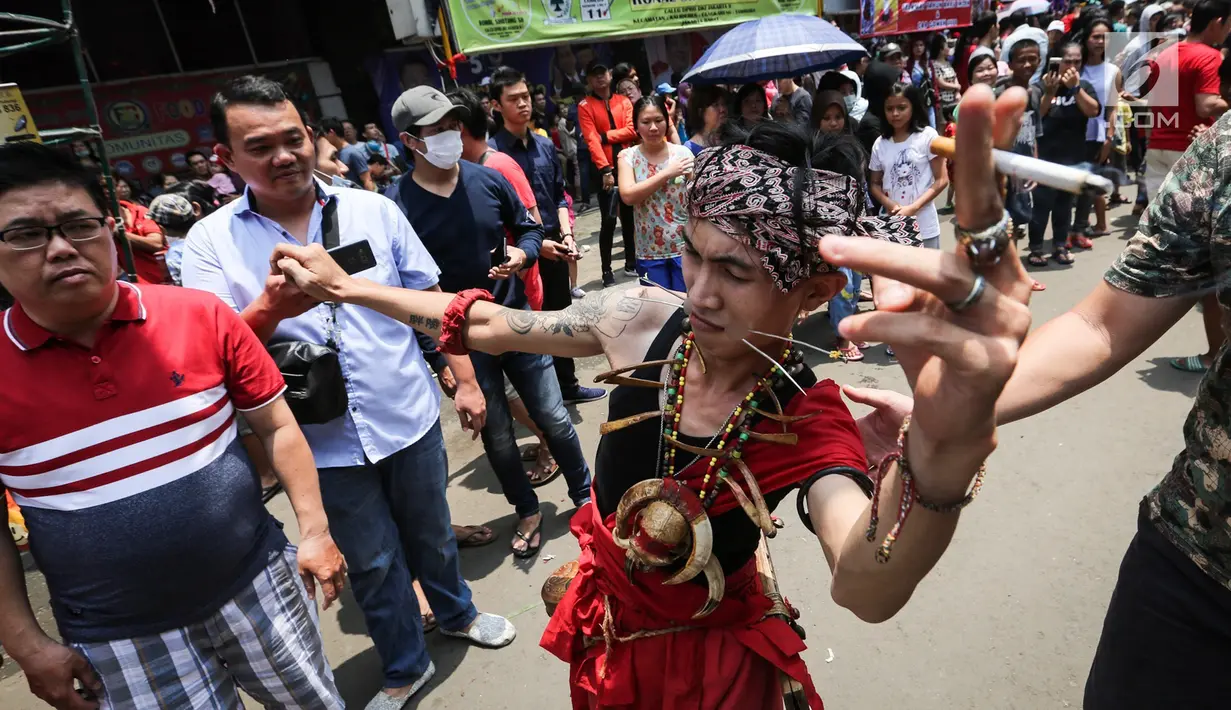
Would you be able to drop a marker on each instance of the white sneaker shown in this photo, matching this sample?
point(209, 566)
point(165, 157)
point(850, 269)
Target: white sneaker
point(578, 293)
point(632, 273)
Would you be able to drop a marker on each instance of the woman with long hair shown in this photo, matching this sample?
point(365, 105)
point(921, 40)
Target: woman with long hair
point(711, 399)
point(919, 66)
point(707, 116)
point(1107, 81)
point(751, 105)
point(948, 88)
point(652, 182)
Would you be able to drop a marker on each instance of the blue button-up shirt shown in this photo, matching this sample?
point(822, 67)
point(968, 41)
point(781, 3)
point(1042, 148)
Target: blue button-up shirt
point(537, 157)
point(393, 401)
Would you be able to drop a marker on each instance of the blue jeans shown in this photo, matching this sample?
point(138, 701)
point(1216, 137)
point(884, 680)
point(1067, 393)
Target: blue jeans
point(846, 303)
point(391, 521)
point(668, 273)
point(534, 378)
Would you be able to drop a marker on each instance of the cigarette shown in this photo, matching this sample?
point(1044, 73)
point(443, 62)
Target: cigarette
point(1024, 167)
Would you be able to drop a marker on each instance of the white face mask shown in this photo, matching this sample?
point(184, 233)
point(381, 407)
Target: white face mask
point(443, 149)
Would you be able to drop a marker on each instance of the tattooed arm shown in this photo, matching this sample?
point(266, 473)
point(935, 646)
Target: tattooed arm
point(580, 330)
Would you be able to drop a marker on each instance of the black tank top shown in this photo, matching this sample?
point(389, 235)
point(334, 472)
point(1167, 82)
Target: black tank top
point(632, 454)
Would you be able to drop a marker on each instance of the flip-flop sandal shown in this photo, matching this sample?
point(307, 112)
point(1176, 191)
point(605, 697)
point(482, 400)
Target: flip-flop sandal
point(1097, 232)
point(429, 623)
point(1037, 285)
point(1081, 241)
point(851, 353)
point(531, 550)
point(530, 452)
point(1036, 259)
point(1192, 363)
point(862, 344)
point(478, 536)
point(1063, 256)
point(552, 470)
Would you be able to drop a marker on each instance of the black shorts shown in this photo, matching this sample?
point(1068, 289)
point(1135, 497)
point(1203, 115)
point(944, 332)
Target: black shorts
point(1166, 640)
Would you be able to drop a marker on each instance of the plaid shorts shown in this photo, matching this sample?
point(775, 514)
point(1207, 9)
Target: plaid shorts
point(266, 641)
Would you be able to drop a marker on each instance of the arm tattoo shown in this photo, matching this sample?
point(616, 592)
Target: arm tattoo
point(603, 312)
point(424, 324)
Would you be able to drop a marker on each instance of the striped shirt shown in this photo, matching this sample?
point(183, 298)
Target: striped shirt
point(144, 512)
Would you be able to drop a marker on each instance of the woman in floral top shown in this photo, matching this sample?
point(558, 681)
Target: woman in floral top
point(652, 181)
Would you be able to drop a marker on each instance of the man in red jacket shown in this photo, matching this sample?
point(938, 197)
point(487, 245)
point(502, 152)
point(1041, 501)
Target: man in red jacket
point(607, 126)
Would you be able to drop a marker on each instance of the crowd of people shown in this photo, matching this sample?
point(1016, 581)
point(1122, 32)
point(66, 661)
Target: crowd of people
point(478, 197)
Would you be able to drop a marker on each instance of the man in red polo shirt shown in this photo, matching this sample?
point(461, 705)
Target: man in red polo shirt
point(1194, 64)
point(170, 583)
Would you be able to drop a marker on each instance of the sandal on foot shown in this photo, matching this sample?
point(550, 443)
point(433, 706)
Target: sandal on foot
point(1037, 285)
point(544, 472)
point(1097, 232)
point(851, 353)
point(530, 452)
point(429, 623)
point(1192, 363)
point(1036, 259)
point(531, 549)
point(488, 631)
point(1063, 256)
point(473, 535)
point(1080, 241)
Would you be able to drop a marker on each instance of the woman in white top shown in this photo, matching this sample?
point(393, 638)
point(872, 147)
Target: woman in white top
point(1108, 83)
point(651, 180)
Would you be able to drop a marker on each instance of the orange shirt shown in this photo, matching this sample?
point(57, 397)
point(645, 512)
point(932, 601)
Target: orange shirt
point(595, 116)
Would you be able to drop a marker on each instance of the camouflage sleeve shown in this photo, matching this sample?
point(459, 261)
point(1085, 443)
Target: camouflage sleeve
point(1170, 255)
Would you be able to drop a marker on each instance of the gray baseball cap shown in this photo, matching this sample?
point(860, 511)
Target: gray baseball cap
point(422, 106)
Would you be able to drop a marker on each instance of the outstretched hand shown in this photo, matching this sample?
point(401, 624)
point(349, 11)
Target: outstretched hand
point(957, 362)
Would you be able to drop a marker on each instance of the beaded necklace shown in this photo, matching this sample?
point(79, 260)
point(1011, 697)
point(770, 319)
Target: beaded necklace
point(731, 436)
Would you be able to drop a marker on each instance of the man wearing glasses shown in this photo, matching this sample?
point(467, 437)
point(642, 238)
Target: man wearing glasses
point(144, 511)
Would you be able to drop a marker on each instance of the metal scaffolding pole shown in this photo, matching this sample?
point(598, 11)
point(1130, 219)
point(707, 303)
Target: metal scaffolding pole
point(56, 32)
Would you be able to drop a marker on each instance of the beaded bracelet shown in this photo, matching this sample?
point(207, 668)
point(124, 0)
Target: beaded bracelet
point(910, 496)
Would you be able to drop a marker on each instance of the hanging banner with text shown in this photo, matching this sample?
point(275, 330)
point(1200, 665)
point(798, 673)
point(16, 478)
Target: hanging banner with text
point(498, 25)
point(893, 17)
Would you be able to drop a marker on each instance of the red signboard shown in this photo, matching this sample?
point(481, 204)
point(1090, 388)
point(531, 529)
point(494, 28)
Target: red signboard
point(895, 17)
point(150, 124)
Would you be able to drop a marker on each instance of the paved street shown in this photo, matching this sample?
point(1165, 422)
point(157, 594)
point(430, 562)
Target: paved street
point(1009, 618)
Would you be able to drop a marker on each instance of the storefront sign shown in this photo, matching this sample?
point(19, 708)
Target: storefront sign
point(497, 25)
point(891, 17)
point(16, 121)
point(152, 123)
point(152, 143)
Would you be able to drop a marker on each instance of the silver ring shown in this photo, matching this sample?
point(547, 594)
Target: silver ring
point(976, 292)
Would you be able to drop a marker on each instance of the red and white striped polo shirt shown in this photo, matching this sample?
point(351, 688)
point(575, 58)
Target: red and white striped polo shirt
point(142, 507)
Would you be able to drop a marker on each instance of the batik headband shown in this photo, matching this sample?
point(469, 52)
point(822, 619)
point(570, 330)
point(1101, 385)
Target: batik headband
point(750, 196)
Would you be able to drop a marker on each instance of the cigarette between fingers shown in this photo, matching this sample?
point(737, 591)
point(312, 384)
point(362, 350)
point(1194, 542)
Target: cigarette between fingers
point(1025, 167)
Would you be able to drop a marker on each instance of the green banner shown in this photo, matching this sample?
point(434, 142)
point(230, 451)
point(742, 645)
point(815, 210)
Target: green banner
point(500, 25)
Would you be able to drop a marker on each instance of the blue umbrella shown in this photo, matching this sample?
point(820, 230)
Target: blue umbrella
point(774, 47)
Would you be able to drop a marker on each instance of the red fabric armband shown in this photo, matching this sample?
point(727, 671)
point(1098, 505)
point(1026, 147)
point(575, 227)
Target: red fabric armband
point(455, 317)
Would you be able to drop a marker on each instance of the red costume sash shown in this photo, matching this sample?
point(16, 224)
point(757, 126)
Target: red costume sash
point(709, 663)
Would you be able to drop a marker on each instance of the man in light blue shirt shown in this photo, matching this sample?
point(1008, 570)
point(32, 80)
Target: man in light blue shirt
point(382, 464)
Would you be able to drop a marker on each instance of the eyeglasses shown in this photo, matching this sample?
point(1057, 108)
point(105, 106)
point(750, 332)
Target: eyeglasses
point(82, 229)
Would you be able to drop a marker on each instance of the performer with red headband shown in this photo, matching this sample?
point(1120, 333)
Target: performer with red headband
point(672, 603)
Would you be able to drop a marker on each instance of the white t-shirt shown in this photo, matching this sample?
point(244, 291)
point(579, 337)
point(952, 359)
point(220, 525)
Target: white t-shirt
point(907, 168)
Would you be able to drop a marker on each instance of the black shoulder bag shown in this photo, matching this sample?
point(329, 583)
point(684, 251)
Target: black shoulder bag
point(315, 387)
